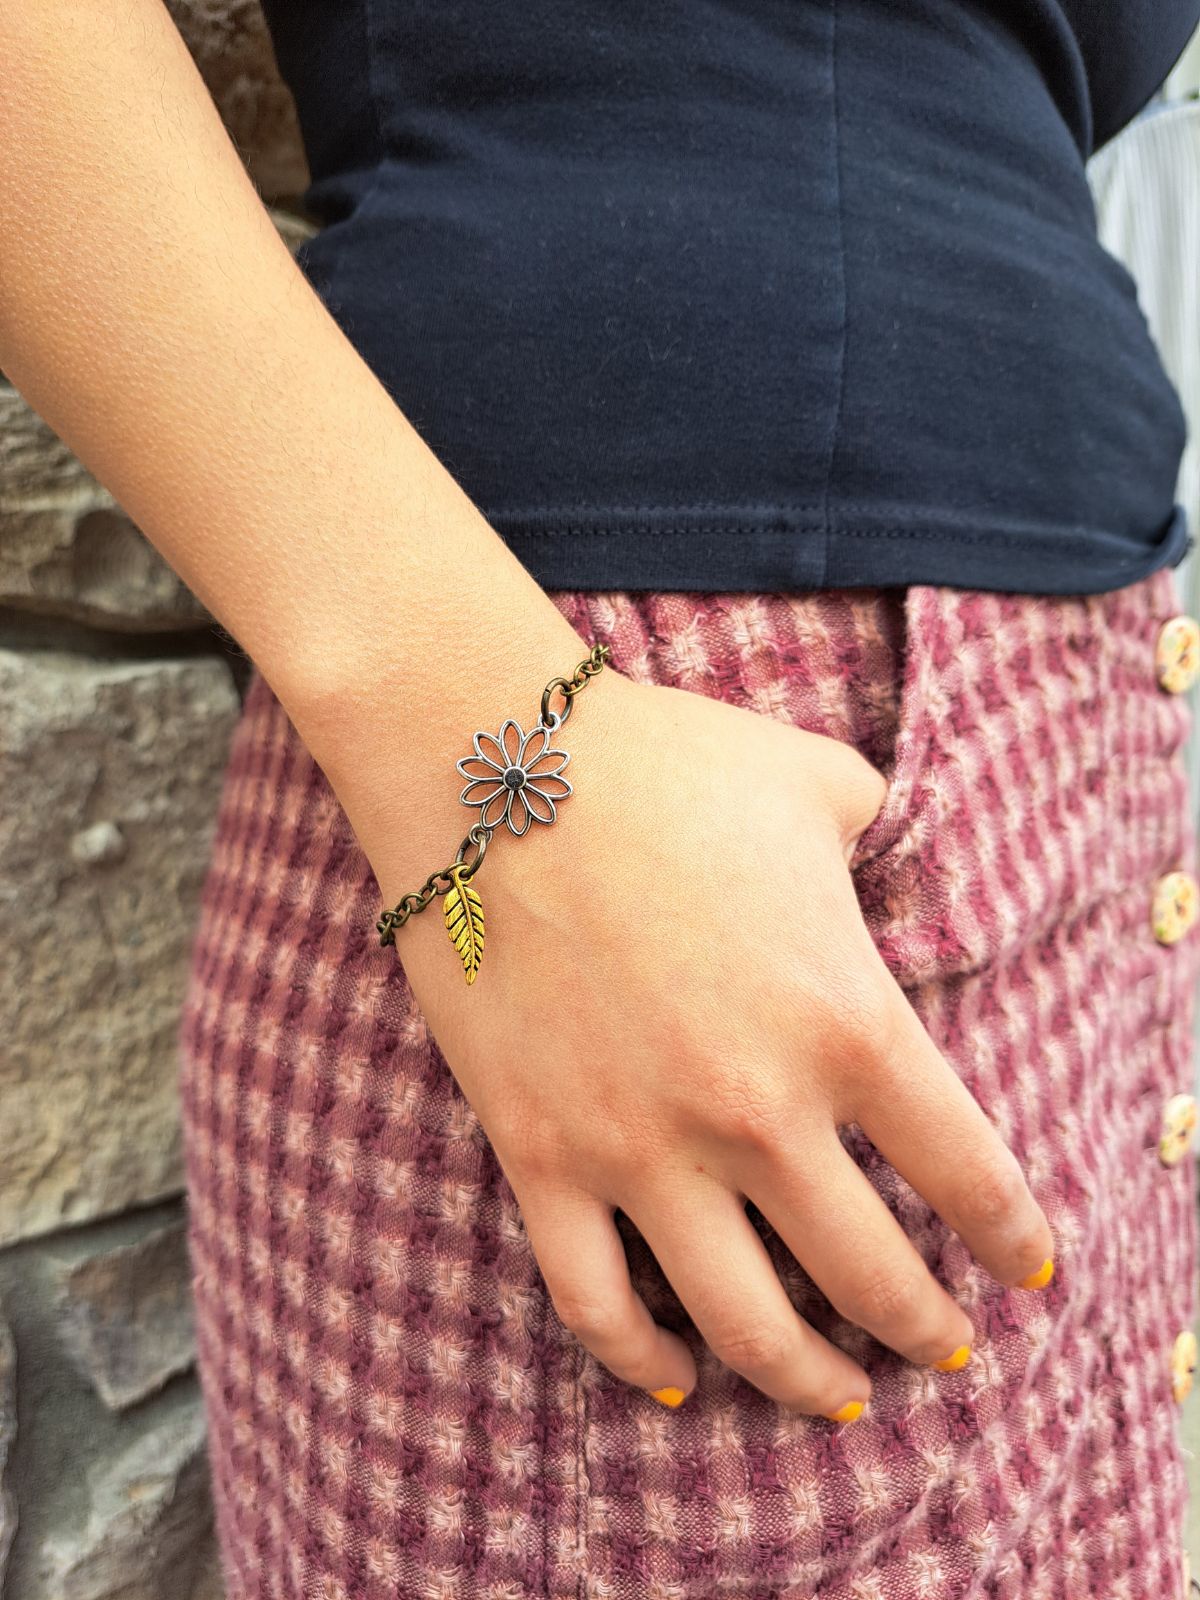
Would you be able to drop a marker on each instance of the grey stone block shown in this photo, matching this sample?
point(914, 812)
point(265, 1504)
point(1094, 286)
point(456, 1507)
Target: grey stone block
point(97, 933)
point(148, 1522)
point(126, 1316)
point(8, 1434)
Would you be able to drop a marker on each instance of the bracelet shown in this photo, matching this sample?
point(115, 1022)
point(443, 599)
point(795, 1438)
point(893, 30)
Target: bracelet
point(517, 779)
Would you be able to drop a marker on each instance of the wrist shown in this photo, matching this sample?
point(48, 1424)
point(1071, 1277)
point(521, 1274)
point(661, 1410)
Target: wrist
point(390, 749)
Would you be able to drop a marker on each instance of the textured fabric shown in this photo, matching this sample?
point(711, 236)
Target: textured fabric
point(1147, 191)
point(753, 294)
point(396, 1410)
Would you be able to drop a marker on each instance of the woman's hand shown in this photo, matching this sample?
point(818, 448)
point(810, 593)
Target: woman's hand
point(679, 1006)
point(680, 1002)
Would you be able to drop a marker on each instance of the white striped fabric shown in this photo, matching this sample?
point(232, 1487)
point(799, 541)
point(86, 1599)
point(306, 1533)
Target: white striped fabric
point(1146, 185)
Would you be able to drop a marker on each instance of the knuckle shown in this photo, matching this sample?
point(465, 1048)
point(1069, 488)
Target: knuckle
point(591, 1321)
point(531, 1160)
point(754, 1349)
point(862, 1033)
point(993, 1193)
point(529, 1149)
point(891, 1298)
point(867, 789)
point(859, 788)
point(748, 1111)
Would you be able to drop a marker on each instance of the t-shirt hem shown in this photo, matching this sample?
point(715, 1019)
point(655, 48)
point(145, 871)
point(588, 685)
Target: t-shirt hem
point(770, 549)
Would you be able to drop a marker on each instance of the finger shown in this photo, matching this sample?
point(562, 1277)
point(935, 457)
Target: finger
point(922, 1118)
point(582, 1258)
point(720, 1269)
point(835, 1223)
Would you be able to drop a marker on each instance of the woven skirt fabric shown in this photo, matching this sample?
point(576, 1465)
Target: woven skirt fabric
point(395, 1410)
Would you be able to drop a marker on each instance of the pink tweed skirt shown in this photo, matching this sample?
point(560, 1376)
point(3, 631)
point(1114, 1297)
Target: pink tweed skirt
point(396, 1412)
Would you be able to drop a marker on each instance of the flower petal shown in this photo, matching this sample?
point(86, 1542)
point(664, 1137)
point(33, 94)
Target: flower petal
point(548, 761)
point(485, 789)
point(489, 749)
point(512, 737)
point(518, 813)
point(533, 745)
point(549, 785)
point(477, 767)
point(539, 805)
point(495, 810)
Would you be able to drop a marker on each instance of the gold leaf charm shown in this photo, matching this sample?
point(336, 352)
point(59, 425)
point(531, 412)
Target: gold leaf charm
point(464, 923)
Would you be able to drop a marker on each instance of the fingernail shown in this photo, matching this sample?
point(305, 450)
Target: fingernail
point(670, 1396)
point(852, 1409)
point(1040, 1278)
point(955, 1362)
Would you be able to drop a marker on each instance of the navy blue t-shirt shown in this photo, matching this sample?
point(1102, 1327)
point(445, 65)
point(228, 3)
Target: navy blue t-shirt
point(753, 294)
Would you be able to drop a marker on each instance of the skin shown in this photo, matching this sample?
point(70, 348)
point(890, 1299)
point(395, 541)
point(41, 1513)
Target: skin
point(150, 313)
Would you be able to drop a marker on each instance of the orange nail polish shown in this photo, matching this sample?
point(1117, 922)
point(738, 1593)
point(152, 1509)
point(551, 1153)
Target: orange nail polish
point(670, 1396)
point(852, 1409)
point(1040, 1278)
point(955, 1362)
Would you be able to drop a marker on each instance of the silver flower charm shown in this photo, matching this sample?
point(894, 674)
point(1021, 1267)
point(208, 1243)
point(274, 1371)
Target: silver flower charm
point(514, 776)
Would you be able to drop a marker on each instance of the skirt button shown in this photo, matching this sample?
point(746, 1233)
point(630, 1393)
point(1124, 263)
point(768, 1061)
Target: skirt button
point(1178, 1129)
point(1174, 907)
point(1183, 1364)
point(1177, 654)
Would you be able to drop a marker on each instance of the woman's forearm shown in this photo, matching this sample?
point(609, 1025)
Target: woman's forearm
point(151, 314)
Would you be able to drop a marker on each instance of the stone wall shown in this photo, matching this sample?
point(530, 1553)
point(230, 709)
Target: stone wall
point(118, 695)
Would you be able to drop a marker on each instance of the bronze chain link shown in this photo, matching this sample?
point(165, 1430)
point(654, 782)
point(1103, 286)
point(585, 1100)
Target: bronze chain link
point(441, 882)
